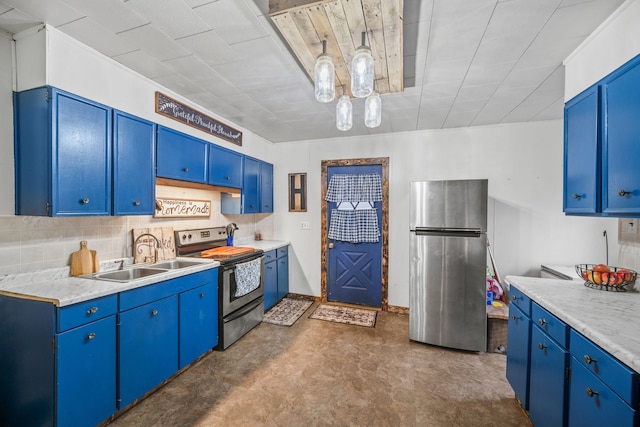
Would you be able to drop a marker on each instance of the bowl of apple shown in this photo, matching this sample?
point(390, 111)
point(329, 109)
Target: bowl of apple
point(604, 277)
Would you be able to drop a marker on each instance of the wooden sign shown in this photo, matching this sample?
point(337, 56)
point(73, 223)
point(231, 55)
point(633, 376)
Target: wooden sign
point(180, 112)
point(182, 208)
point(145, 247)
point(297, 192)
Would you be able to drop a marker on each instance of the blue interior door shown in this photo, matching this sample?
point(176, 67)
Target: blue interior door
point(355, 269)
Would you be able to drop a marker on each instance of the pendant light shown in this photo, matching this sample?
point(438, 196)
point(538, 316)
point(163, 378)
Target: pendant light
point(362, 71)
point(344, 112)
point(324, 76)
point(373, 110)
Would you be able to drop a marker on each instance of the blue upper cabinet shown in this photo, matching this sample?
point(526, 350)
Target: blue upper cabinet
point(225, 167)
point(602, 131)
point(251, 186)
point(134, 143)
point(266, 187)
point(180, 156)
point(582, 174)
point(62, 154)
point(621, 140)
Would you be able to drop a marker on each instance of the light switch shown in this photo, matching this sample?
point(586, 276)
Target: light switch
point(629, 225)
point(305, 225)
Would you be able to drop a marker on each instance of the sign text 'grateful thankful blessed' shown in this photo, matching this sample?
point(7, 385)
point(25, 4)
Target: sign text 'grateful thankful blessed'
point(176, 110)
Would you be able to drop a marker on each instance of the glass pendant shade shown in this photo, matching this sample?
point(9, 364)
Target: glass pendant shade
point(373, 111)
point(344, 113)
point(362, 72)
point(324, 77)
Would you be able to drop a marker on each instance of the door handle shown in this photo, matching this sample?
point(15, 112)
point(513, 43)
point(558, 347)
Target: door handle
point(331, 245)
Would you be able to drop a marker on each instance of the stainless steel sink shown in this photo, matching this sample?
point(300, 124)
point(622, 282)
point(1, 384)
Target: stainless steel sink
point(128, 275)
point(176, 264)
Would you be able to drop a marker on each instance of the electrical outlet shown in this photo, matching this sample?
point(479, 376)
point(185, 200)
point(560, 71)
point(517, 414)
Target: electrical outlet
point(304, 225)
point(629, 225)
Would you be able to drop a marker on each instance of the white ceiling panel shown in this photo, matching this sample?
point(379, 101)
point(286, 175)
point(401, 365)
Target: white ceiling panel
point(232, 20)
point(466, 62)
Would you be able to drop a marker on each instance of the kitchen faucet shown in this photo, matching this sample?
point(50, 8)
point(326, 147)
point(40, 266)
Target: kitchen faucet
point(155, 246)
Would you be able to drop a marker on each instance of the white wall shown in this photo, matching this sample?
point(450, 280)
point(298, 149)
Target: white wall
point(614, 42)
point(6, 126)
point(523, 163)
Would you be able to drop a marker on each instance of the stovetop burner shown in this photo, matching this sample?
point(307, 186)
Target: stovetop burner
point(191, 243)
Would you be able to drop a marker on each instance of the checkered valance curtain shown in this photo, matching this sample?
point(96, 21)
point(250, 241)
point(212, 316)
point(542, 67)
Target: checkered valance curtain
point(349, 224)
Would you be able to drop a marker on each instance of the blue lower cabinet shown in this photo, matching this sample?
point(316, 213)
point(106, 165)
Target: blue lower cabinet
point(283, 277)
point(270, 284)
point(548, 380)
point(148, 348)
point(198, 322)
point(86, 360)
point(518, 337)
point(592, 403)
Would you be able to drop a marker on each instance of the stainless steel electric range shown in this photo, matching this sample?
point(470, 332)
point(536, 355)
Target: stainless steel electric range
point(240, 280)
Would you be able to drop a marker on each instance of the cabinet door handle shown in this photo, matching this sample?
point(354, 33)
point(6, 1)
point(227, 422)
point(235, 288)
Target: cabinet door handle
point(542, 322)
point(513, 317)
point(185, 169)
point(92, 310)
point(588, 360)
point(91, 336)
point(514, 298)
point(577, 196)
point(154, 313)
point(201, 294)
point(590, 392)
point(541, 346)
point(85, 201)
point(136, 203)
point(623, 193)
point(228, 178)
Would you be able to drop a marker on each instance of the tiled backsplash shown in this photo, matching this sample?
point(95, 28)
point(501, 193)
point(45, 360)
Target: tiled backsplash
point(30, 243)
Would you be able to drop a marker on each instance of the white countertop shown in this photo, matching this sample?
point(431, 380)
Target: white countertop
point(609, 319)
point(57, 287)
point(565, 270)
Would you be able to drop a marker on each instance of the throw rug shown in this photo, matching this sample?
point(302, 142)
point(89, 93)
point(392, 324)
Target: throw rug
point(347, 315)
point(287, 311)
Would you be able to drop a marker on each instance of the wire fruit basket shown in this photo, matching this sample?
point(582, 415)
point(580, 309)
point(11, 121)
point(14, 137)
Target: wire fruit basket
point(606, 278)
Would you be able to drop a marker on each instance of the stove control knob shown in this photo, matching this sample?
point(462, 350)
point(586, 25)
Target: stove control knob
point(189, 236)
point(184, 236)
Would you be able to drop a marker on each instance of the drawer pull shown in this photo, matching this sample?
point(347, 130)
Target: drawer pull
point(514, 298)
point(589, 360)
point(154, 313)
point(201, 294)
point(228, 178)
point(92, 310)
point(542, 322)
point(623, 193)
point(136, 203)
point(85, 201)
point(541, 346)
point(590, 392)
point(513, 317)
point(577, 196)
point(91, 336)
point(185, 169)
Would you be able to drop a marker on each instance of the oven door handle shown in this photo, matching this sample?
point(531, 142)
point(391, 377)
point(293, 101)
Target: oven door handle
point(244, 310)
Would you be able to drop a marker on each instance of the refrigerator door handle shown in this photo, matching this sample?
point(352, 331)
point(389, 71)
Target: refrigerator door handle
point(448, 232)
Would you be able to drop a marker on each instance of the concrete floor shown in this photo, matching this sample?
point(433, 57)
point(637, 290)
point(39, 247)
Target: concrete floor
point(317, 373)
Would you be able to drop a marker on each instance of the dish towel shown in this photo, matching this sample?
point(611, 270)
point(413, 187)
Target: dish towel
point(247, 277)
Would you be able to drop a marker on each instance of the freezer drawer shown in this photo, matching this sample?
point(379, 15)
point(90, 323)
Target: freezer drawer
point(447, 304)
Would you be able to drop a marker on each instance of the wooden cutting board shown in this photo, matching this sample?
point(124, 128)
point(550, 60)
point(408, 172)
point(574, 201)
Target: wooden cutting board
point(84, 261)
point(225, 252)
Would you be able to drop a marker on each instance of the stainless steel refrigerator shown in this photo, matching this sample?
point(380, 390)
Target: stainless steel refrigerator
point(448, 258)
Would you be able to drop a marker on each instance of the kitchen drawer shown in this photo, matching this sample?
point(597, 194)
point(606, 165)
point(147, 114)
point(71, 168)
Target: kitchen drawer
point(550, 325)
point(624, 381)
point(283, 251)
point(592, 403)
point(87, 311)
point(521, 300)
point(156, 291)
point(270, 255)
